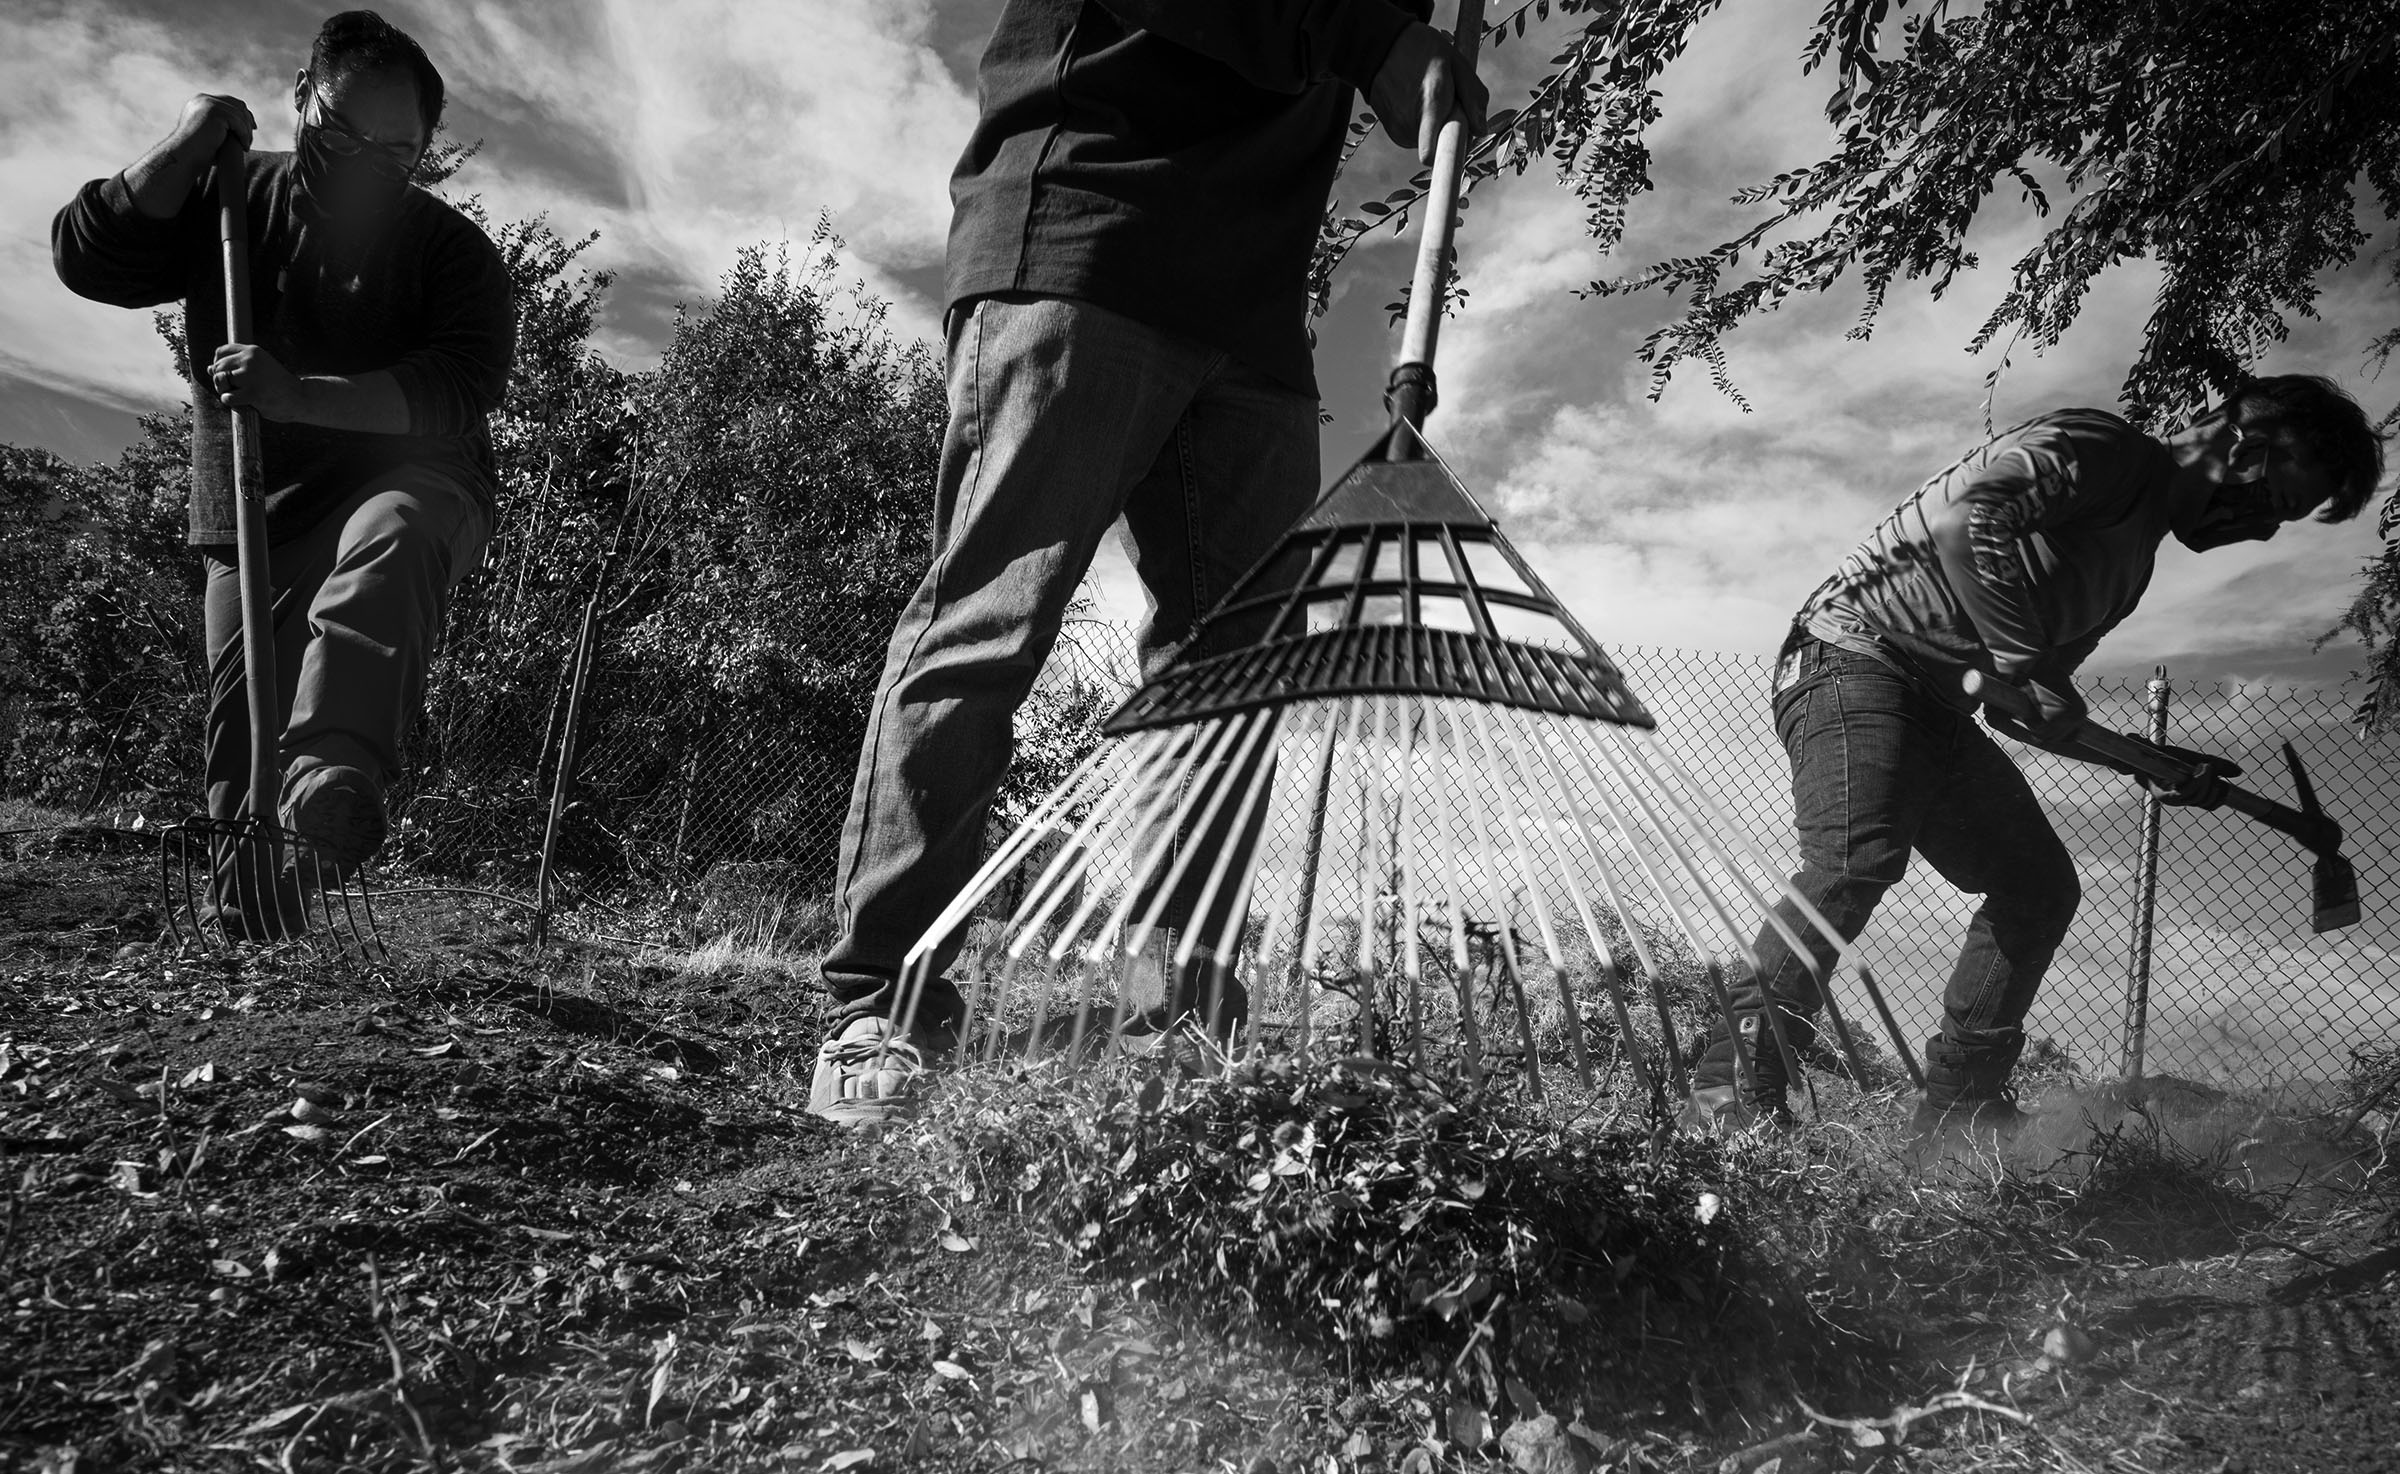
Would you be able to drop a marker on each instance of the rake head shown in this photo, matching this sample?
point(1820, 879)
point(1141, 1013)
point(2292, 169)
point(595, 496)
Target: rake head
point(1392, 796)
point(245, 880)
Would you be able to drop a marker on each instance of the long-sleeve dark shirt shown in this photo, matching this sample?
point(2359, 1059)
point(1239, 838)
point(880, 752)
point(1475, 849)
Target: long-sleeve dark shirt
point(2067, 513)
point(1166, 159)
point(425, 297)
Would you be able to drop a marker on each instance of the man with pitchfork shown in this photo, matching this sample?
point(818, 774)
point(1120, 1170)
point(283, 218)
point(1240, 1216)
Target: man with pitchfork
point(386, 325)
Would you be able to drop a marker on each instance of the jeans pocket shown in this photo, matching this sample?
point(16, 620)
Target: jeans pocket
point(1791, 711)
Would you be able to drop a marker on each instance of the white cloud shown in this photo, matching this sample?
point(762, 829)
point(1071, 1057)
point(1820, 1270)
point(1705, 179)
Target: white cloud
point(685, 131)
point(81, 95)
point(730, 122)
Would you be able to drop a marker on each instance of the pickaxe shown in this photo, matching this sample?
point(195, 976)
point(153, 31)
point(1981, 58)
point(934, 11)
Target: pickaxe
point(2333, 883)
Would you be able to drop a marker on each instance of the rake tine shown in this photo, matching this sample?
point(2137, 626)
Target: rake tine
point(1255, 729)
point(1485, 846)
point(1208, 740)
point(175, 840)
point(316, 868)
point(913, 979)
point(1677, 793)
point(1785, 889)
point(1516, 824)
point(1738, 935)
point(1518, 742)
point(1188, 789)
point(1312, 916)
point(1612, 971)
point(1516, 993)
point(1180, 791)
point(1020, 842)
point(1269, 734)
point(1373, 823)
point(994, 1033)
point(1057, 879)
point(1469, 1032)
point(1051, 888)
point(1908, 1056)
point(1677, 1076)
point(1411, 951)
point(1666, 896)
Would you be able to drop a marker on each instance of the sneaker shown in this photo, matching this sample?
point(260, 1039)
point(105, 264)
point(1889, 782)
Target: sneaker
point(868, 1073)
point(1720, 1109)
point(339, 811)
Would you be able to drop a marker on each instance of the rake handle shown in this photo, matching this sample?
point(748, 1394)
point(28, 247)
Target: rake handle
point(249, 504)
point(1412, 376)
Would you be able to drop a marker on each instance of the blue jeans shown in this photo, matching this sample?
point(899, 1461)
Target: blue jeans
point(1880, 766)
point(1063, 416)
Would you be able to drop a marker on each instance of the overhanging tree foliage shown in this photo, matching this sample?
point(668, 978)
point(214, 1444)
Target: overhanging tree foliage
point(2236, 144)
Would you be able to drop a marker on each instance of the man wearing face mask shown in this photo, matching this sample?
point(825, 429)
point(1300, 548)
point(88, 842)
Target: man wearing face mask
point(2015, 562)
point(385, 328)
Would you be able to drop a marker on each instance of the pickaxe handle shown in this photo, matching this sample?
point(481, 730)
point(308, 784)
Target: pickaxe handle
point(2309, 825)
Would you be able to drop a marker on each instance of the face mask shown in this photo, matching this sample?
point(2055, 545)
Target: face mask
point(2239, 510)
point(353, 184)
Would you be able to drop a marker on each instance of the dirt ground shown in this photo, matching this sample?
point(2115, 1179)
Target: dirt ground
point(478, 1206)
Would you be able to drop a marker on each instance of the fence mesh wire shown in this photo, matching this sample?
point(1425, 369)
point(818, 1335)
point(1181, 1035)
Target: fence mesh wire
point(2240, 991)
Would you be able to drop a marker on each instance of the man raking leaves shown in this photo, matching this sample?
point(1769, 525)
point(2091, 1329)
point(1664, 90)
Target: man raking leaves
point(1128, 287)
point(384, 331)
point(2007, 569)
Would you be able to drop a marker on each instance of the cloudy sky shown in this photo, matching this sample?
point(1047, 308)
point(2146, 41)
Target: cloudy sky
point(684, 130)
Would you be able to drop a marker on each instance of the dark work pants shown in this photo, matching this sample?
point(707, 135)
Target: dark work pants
point(359, 600)
point(1063, 416)
point(1881, 767)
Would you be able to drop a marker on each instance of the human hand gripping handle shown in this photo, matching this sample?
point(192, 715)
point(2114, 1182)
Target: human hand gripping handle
point(1427, 80)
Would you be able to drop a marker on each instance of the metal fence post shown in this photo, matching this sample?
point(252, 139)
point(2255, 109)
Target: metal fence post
point(566, 762)
point(2145, 898)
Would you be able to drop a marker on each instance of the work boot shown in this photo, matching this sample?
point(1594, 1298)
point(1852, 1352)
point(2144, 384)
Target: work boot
point(1983, 1125)
point(252, 895)
point(339, 811)
point(242, 914)
point(1718, 1103)
point(1203, 994)
point(1967, 1096)
point(1721, 1110)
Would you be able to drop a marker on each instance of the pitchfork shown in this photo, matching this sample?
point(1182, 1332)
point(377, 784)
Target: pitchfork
point(261, 879)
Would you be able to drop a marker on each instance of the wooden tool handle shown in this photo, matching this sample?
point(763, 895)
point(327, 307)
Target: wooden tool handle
point(1431, 284)
point(249, 496)
point(2098, 744)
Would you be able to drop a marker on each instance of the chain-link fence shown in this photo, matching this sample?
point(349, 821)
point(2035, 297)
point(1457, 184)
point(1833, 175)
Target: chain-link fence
point(2238, 989)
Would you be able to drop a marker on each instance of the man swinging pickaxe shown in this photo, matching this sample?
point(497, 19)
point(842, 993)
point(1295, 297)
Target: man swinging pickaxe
point(2010, 566)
